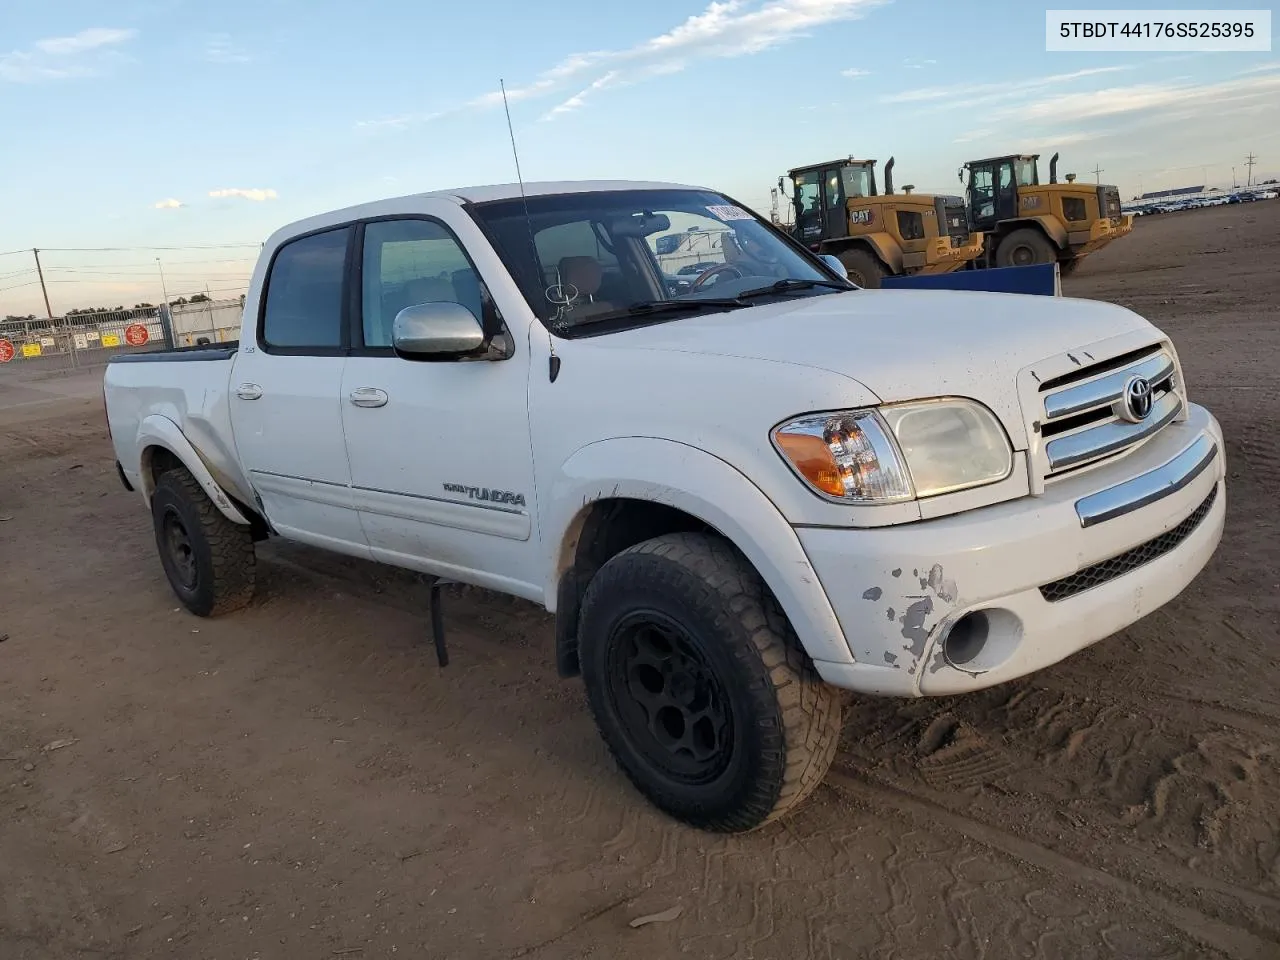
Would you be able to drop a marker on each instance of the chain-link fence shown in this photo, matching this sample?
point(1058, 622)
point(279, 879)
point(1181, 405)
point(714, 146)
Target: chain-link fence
point(89, 339)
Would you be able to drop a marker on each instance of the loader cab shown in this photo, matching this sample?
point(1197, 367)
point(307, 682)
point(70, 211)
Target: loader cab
point(991, 193)
point(821, 193)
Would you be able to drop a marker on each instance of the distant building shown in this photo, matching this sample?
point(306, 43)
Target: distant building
point(1179, 192)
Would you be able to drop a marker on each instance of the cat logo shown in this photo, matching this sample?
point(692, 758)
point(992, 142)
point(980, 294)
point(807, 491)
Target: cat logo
point(863, 216)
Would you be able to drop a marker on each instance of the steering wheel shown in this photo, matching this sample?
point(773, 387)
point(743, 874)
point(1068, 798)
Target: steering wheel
point(710, 272)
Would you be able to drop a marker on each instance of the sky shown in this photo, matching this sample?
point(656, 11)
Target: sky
point(204, 127)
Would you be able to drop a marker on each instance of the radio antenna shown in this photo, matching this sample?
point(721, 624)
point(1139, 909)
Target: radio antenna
point(554, 359)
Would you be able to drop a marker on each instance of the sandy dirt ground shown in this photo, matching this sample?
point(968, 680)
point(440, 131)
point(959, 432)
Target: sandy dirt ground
point(300, 780)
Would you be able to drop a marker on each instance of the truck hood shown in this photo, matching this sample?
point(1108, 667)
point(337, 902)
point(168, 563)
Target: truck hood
point(903, 344)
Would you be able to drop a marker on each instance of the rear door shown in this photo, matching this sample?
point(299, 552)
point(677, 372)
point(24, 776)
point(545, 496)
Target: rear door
point(285, 394)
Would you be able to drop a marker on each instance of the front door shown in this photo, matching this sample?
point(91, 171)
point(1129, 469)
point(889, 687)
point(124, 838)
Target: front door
point(284, 396)
point(835, 216)
point(441, 469)
point(981, 196)
point(1006, 191)
point(810, 217)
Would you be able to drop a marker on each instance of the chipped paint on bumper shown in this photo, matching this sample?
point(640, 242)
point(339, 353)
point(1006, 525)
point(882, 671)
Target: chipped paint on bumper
point(897, 590)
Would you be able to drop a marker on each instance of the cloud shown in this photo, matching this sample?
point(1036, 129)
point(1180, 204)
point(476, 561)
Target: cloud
point(578, 99)
point(1188, 99)
point(255, 194)
point(84, 54)
point(221, 49)
point(89, 39)
point(911, 63)
point(854, 72)
point(993, 91)
point(1262, 68)
point(169, 204)
point(725, 28)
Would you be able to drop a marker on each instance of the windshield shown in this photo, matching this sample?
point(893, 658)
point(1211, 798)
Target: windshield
point(619, 253)
point(1027, 172)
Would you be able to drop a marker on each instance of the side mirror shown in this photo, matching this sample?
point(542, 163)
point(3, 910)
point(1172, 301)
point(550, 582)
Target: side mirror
point(835, 264)
point(437, 331)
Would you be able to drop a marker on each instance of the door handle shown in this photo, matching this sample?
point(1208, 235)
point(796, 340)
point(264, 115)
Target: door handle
point(369, 397)
point(248, 391)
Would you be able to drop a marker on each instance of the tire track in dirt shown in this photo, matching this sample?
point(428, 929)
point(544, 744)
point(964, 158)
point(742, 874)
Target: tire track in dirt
point(894, 802)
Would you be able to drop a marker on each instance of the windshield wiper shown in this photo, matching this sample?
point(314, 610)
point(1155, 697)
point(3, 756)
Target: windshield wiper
point(648, 308)
point(786, 286)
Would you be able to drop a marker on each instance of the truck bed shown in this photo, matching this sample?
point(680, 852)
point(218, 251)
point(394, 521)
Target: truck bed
point(201, 352)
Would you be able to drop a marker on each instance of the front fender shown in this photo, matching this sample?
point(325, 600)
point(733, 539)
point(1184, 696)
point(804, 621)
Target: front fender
point(677, 475)
point(157, 431)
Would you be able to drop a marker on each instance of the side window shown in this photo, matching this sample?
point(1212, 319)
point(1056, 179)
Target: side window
point(407, 262)
point(807, 194)
point(304, 292)
point(835, 190)
point(911, 225)
point(1006, 177)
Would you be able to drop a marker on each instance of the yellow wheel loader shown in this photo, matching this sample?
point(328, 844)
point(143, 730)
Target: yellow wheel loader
point(839, 212)
point(1025, 221)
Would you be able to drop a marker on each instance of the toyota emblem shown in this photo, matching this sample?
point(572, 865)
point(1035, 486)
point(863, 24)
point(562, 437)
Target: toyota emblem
point(1136, 405)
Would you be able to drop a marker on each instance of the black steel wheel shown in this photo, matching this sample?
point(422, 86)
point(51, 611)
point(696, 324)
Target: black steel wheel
point(699, 686)
point(208, 560)
point(671, 701)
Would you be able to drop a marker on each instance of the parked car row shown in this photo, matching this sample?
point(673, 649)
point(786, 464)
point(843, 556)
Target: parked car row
point(1195, 203)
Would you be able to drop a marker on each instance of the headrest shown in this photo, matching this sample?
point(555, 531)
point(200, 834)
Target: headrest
point(584, 274)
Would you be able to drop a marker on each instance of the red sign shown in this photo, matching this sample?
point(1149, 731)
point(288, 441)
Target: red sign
point(6, 351)
point(135, 334)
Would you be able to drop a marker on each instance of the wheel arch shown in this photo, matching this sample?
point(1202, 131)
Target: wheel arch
point(162, 446)
point(614, 494)
point(880, 245)
point(1051, 227)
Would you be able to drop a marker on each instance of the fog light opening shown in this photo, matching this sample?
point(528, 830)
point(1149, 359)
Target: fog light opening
point(967, 638)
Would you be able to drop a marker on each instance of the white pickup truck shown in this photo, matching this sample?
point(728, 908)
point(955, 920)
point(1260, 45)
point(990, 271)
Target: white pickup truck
point(737, 495)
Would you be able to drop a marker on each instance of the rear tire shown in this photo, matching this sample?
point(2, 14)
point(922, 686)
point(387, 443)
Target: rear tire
point(863, 268)
point(699, 687)
point(208, 560)
point(1024, 247)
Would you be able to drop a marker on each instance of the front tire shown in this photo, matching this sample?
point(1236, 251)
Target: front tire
point(208, 560)
point(863, 268)
point(699, 687)
point(1025, 247)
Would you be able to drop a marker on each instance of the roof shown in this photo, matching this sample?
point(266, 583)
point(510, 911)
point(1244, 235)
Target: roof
point(1177, 192)
point(510, 191)
point(478, 194)
point(842, 162)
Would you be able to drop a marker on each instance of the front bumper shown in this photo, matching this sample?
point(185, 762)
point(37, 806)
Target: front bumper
point(1050, 574)
point(945, 255)
point(1100, 233)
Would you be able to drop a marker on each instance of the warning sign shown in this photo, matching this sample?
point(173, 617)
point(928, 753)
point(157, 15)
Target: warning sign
point(6, 351)
point(136, 334)
point(48, 342)
point(31, 349)
point(111, 339)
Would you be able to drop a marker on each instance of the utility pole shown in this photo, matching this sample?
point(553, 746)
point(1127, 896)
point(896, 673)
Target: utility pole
point(1248, 162)
point(163, 291)
point(43, 289)
point(1235, 184)
point(1097, 173)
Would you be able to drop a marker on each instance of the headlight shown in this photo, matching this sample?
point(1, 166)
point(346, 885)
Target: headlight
point(846, 455)
point(897, 452)
point(949, 445)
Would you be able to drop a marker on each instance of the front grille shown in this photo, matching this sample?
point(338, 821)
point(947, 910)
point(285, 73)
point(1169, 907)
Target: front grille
point(1107, 570)
point(957, 224)
point(1081, 426)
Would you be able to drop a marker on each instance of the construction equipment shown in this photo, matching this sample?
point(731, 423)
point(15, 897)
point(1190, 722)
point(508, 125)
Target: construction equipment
point(839, 212)
point(1025, 221)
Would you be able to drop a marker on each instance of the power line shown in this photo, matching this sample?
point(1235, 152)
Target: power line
point(191, 246)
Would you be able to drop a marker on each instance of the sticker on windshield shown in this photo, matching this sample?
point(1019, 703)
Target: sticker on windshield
point(726, 211)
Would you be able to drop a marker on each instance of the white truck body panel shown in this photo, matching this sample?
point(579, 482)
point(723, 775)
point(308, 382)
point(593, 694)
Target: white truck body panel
point(678, 413)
